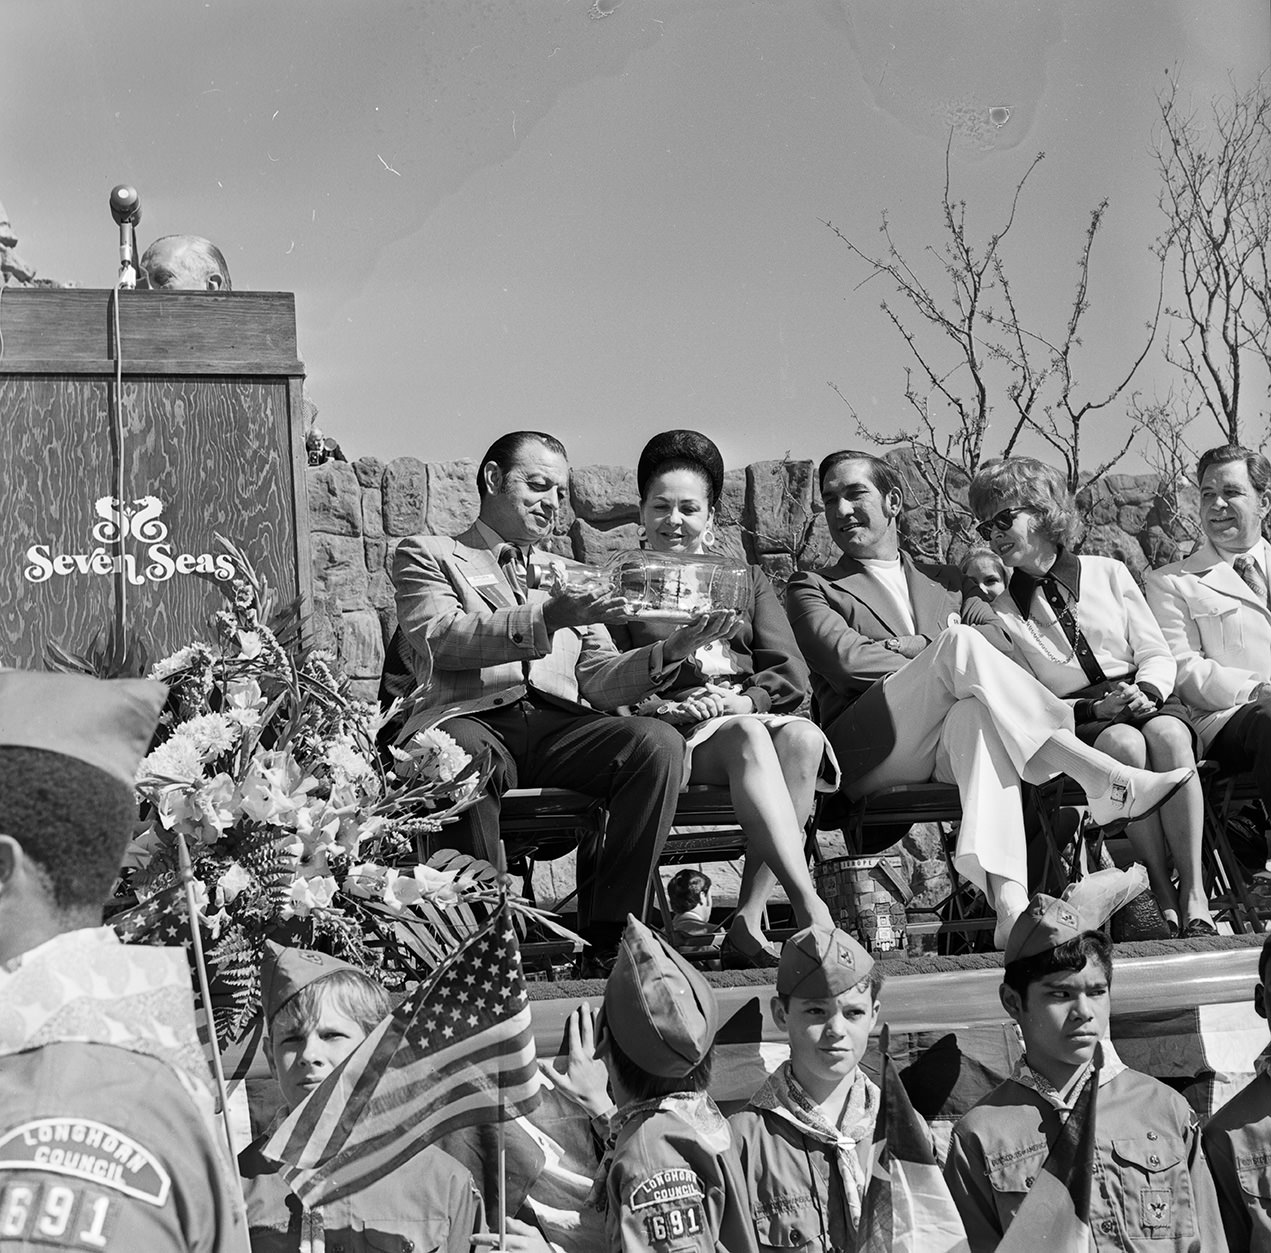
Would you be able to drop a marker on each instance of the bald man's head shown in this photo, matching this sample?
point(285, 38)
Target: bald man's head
point(186, 263)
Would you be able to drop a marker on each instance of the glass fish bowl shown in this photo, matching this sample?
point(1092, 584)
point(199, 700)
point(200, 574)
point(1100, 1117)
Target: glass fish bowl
point(660, 587)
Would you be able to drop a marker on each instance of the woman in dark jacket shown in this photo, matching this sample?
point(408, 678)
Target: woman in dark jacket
point(736, 700)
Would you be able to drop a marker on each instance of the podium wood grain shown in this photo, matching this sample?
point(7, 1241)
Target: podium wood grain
point(217, 438)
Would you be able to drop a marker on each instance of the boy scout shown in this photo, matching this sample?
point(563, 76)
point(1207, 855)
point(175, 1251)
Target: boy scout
point(1238, 1143)
point(317, 1010)
point(805, 1138)
point(107, 1139)
point(670, 1181)
point(1151, 1188)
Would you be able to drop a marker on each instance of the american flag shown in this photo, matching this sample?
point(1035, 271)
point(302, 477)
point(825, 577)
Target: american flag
point(162, 920)
point(907, 1206)
point(456, 1053)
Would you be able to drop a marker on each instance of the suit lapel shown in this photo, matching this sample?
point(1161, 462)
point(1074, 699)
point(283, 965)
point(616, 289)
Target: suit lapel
point(1221, 577)
point(858, 584)
point(482, 571)
point(931, 600)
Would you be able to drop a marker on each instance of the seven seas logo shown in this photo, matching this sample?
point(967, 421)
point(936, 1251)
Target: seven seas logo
point(137, 520)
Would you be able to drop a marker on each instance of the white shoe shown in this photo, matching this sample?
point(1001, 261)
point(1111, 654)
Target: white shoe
point(1136, 793)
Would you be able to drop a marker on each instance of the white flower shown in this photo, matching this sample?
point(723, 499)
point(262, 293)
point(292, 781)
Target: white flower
point(344, 760)
point(231, 883)
point(211, 734)
point(367, 880)
point(183, 659)
point(248, 644)
point(274, 788)
point(306, 895)
point(177, 761)
point(431, 756)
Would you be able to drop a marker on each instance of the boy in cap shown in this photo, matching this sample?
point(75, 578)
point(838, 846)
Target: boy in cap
point(107, 1133)
point(1237, 1142)
point(670, 1180)
point(805, 1137)
point(317, 1010)
point(1151, 1188)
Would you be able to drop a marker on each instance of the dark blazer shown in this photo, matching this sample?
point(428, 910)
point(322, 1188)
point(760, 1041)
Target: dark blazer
point(774, 676)
point(841, 615)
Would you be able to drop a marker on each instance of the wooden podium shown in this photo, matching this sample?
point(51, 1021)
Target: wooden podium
point(204, 430)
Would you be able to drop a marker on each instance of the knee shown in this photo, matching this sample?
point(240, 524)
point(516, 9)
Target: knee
point(799, 744)
point(747, 739)
point(1169, 742)
point(1125, 744)
point(653, 741)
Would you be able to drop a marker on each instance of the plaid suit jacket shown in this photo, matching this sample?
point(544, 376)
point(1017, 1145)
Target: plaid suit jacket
point(461, 629)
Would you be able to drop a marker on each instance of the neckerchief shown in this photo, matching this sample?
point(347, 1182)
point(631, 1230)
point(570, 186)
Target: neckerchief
point(1262, 1063)
point(785, 1096)
point(694, 1108)
point(1027, 1077)
point(87, 987)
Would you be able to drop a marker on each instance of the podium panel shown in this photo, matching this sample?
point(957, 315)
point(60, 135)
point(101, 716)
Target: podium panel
point(206, 425)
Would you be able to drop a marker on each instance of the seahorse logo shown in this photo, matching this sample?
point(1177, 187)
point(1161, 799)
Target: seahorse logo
point(138, 518)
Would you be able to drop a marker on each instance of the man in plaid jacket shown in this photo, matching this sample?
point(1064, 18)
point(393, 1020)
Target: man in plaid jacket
point(536, 675)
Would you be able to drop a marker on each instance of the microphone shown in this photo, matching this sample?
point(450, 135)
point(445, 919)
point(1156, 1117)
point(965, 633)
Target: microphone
point(125, 208)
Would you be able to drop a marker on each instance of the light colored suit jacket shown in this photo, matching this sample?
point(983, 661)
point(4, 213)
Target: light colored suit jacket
point(1218, 631)
point(840, 615)
point(464, 633)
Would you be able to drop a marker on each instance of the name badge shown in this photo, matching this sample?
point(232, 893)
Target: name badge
point(485, 580)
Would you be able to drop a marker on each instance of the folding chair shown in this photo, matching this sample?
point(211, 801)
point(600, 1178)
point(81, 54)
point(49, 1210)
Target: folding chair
point(1227, 880)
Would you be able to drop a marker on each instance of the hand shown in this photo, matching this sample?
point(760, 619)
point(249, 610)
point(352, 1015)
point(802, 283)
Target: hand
point(719, 624)
point(1137, 701)
point(521, 1238)
point(572, 607)
point(716, 702)
point(1113, 703)
point(585, 1079)
point(908, 646)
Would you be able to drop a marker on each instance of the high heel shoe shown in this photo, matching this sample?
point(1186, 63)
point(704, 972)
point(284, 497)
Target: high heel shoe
point(732, 958)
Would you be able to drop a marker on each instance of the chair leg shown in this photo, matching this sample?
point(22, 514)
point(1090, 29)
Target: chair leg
point(1224, 868)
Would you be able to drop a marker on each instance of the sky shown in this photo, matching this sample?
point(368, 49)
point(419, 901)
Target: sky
point(603, 218)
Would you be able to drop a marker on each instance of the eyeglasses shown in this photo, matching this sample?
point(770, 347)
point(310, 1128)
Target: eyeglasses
point(1000, 521)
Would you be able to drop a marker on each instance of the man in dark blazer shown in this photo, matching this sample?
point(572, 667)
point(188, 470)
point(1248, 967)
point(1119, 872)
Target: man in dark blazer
point(518, 663)
point(911, 686)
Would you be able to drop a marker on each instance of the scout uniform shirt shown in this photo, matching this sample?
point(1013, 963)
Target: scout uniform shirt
point(1237, 1142)
point(106, 1135)
point(672, 1183)
point(805, 1179)
point(1151, 1187)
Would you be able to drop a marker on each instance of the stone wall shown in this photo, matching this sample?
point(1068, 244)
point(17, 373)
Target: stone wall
point(770, 513)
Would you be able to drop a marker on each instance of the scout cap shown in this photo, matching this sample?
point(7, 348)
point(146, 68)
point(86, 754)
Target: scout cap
point(820, 962)
point(287, 970)
point(1046, 923)
point(658, 1008)
point(105, 723)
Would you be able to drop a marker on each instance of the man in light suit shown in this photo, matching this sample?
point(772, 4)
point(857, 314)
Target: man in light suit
point(911, 686)
point(520, 661)
point(1213, 609)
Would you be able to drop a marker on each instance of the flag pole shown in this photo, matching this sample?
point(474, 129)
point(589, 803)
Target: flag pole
point(200, 967)
point(501, 864)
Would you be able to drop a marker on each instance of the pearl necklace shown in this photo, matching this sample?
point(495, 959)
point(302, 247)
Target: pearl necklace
point(1046, 647)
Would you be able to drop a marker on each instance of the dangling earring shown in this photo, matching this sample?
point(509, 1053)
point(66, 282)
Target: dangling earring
point(641, 533)
point(708, 537)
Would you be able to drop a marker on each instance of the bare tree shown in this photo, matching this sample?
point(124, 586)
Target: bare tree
point(984, 358)
point(1216, 197)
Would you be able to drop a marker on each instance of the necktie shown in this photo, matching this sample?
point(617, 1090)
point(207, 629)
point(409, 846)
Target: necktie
point(1076, 637)
point(1251, 572)
point(510, 562)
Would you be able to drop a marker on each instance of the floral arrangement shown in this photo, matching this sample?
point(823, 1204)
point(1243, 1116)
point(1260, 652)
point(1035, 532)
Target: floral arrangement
point(298, 827)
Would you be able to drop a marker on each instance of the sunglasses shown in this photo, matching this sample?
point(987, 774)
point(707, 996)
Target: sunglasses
point(1000, 521)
